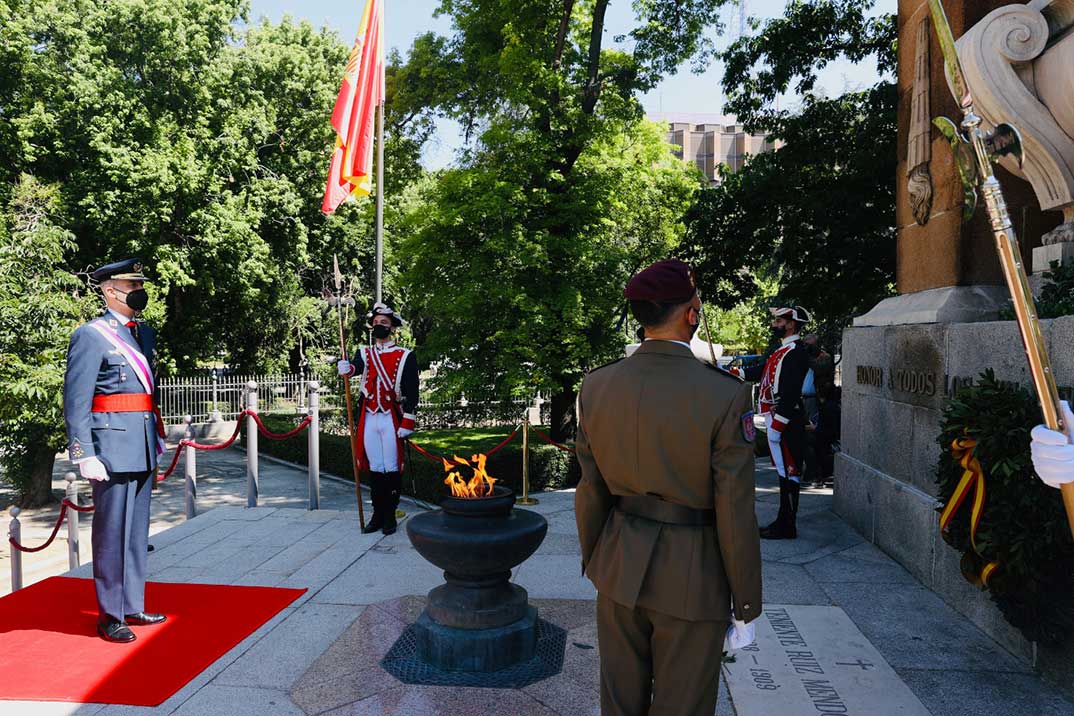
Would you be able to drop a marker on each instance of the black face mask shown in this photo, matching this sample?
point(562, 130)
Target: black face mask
point(778, 332)
point(137, 299)
point(381, 332)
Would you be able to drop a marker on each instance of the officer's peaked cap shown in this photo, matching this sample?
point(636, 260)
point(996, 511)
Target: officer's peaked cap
point(380, 309)
point(669, 281)
point(130, 269)
point(794, 313)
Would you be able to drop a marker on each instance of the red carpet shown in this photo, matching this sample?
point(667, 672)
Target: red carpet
point(50, 651)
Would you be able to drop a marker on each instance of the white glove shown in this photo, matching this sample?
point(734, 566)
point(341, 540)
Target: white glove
point(343, 367)
point(93, 469)
point(739, 634)
point(1053, 455)
point(403, 433)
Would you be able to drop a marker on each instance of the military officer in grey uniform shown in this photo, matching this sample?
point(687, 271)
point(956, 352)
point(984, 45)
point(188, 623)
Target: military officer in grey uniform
point(665, 508)
point(115, 437)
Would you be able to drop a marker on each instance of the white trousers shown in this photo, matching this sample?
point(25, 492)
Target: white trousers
point(775, 447)
point(381, 449)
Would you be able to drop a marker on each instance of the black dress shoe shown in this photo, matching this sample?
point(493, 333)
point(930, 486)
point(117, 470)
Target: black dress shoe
point(115, 630)
point(149, 548)
point(145, 619)
point(388, 529)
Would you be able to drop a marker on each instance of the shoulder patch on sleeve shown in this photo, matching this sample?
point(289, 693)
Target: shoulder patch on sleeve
point(749, 430)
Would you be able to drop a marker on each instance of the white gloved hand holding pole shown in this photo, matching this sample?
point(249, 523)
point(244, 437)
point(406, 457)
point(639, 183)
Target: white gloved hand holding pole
point(1052, 452)
point(93, 469)
point(403, 433)
point(344, 367)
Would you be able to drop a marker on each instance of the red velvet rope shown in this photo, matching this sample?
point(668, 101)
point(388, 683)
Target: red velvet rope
point(234, 436)
point(55, 529)
point(278, 436)
point(552, 442)
point(437, 458)
point(175, 461)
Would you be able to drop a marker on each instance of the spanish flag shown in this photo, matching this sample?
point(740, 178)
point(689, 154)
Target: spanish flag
point(355, 112)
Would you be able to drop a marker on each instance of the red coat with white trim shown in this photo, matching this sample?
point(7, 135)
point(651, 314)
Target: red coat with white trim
point(781, 379)
point(389, 383)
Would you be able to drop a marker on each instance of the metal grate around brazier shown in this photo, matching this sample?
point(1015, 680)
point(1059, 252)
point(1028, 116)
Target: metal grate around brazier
point(403, 662)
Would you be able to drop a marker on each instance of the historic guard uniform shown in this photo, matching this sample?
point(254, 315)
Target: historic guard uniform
point(389, 405)
point(115, 436)
point(665, 510)
point(779, 401)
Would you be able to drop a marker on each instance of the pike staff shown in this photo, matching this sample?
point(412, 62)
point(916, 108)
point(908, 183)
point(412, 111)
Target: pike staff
point(339, 300)
point(969, 138)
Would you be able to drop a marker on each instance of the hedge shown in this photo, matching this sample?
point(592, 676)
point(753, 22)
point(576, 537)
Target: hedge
point(550, 467)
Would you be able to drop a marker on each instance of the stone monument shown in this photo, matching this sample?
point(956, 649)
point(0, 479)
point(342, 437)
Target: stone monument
point(904, 358)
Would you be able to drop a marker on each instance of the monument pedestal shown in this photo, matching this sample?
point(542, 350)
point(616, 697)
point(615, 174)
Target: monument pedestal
point(896, 380)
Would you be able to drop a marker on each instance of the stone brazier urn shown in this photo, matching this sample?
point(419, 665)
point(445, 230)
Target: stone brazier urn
point(477, 620)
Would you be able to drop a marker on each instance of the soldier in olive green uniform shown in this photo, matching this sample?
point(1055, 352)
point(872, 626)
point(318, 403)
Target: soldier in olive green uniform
point(665, 508)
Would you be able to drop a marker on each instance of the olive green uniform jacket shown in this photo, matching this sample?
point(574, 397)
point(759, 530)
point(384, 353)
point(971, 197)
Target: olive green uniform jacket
point(662, 423)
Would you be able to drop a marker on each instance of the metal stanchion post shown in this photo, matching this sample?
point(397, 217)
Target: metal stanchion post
point(214, 412)
point(251, 446)
point(72, 521)
point(313, 450)
point(526, 499)
point(190, 470)
point(14, 531)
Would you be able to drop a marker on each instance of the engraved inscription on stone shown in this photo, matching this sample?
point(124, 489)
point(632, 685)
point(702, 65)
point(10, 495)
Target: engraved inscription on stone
point(814, 660)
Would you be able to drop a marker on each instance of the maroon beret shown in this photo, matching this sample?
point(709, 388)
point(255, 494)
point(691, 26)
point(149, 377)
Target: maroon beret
point(669, 281)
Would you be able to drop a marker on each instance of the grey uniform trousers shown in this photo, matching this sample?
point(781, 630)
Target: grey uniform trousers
point(120, 539)
point(653, 664)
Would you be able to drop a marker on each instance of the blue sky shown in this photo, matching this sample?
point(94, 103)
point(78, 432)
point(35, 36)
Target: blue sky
point(687, 95)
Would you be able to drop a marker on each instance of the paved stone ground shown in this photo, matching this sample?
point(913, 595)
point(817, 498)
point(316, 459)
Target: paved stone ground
point(221, 481)
point(319, 655)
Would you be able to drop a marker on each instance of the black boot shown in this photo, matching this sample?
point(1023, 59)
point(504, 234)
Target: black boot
point(777, 530)
point(791, 527)
point(393, 482)
point(376, 496)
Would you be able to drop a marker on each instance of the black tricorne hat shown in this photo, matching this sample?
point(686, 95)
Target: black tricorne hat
point(380, 309)
point(794, 313)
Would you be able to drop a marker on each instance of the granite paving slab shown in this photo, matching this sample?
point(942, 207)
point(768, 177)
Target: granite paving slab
point(810, 659)
point(365, 589)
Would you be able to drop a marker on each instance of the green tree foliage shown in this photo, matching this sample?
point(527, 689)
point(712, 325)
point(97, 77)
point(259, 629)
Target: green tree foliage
point(174, 131)
point(180, 135)
point(819, 212)
point(40, 305)
point(563, 193)
point(512, 301)
point(1024, 526)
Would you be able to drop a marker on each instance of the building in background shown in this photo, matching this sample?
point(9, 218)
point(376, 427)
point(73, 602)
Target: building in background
point(709, 141)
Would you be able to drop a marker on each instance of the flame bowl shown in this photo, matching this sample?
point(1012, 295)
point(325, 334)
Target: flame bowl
point(477, 620)
point(477, 538)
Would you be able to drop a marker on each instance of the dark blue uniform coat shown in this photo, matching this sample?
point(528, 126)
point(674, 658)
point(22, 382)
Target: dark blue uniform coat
point(126, 443)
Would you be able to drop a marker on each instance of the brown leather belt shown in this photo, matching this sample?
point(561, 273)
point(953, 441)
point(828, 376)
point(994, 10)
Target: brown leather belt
point(669, 513)
point(123, 403)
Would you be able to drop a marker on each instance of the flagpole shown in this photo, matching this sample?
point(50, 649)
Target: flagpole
point(380, 159)
point(380, 202)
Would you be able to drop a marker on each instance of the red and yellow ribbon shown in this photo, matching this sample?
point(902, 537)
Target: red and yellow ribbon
point(962, 451)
